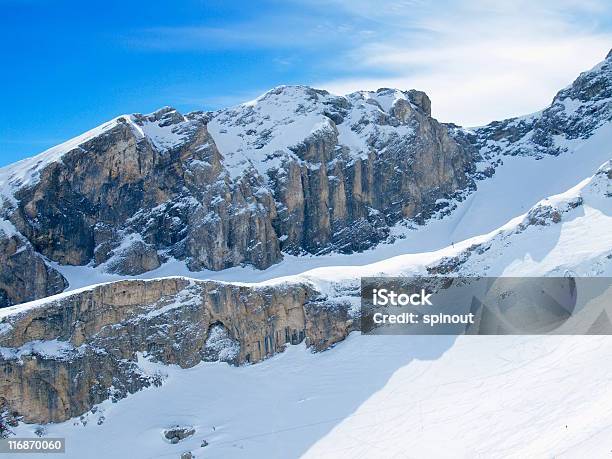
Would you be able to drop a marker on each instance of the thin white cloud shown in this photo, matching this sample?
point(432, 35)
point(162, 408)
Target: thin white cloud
point(271, 32)
point(475, 84)
point(479, 60)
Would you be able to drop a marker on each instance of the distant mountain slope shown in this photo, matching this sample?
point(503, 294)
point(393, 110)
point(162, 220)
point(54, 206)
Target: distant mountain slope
point(540, 209)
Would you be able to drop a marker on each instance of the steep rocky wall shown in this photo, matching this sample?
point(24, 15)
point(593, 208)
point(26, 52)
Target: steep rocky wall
point(297, 170)
point(117, 199)
point(24, 275)
point(575, 113)
point(153, 187)
point(60, 358)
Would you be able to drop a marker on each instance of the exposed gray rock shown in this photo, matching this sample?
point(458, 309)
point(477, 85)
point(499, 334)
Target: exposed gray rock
point(176, 434)
point(150, 187)
point(138, 257)
point(24, 275)
point(93, 338)
point(297, 171)
point(575, 113)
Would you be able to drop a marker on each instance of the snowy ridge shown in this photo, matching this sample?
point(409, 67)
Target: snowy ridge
point(568, 139)
point(261, 133)
point(575, 113)
point(362, 137)
point(164, 128)
point(258, 133)
point(515, 187)
point(26, 172)
point(564, 234)
point(543, 208)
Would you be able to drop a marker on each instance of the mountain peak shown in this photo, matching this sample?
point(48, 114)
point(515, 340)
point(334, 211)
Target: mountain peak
point(289, 92)
point(164, 116)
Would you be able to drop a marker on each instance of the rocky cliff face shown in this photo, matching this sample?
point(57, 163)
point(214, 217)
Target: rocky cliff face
point(343, 169)
point(24, 274)
point(60, 358)
point(298, 170)
point(575, 113)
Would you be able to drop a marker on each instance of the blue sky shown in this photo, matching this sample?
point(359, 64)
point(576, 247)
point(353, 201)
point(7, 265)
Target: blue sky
point(69, 66)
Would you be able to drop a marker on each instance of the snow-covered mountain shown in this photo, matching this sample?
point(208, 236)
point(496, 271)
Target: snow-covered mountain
point(296, 171)
point(253, 226)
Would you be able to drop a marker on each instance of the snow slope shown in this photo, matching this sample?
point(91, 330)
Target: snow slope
point(371, 397)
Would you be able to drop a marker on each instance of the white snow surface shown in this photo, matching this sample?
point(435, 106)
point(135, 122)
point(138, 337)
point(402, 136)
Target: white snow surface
point(53, 348)
point(396, 396)
point(166, 132)
point(221, 344)
point(7, 228)
point(371, 397)
point(259, 134)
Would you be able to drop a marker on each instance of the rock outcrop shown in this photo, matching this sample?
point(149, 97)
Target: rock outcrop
point(24, 274)
point(60, 358)
point(299, 170)
point(575, 113)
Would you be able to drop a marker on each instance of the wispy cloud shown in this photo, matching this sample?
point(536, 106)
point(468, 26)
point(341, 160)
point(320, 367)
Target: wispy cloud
point(472, 84)
point(478, 59)
point(273, 32)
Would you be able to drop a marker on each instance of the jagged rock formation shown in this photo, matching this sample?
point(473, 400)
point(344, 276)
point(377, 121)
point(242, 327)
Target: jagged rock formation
point(62, 357)
point(298, 170)
point(575, 113)
point(368, 161)
point(24, 275)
